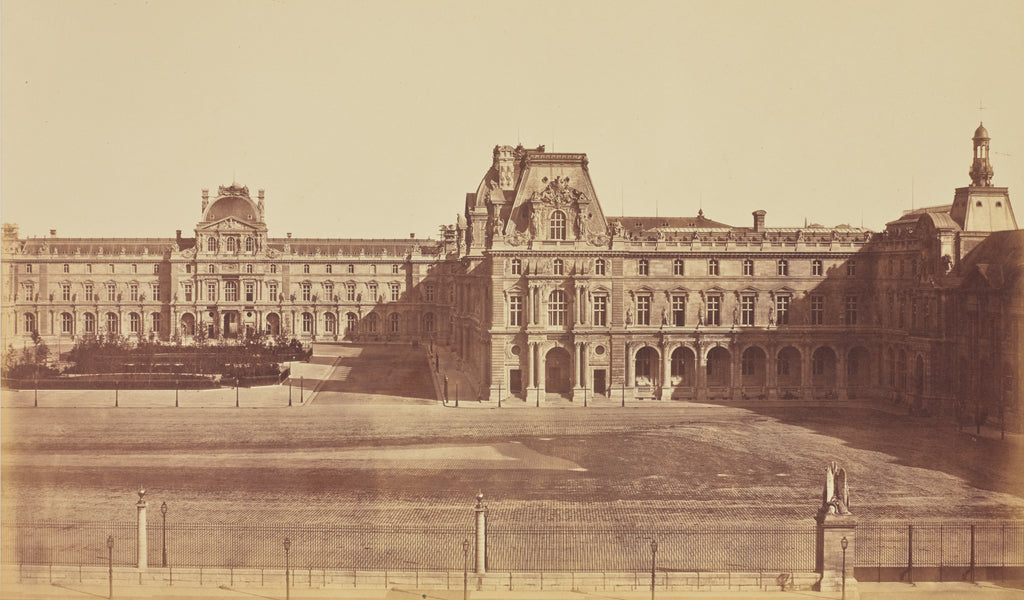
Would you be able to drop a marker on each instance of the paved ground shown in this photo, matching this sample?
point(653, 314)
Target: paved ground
point(372, 450)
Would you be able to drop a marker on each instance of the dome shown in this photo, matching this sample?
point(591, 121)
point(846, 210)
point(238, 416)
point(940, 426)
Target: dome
point(981, 133)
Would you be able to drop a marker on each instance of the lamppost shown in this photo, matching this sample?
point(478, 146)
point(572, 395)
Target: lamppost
point(287, 566)
point(163, 538)
point(110, 564)
point(465, 569)
point(844, 544)
point(654, 554)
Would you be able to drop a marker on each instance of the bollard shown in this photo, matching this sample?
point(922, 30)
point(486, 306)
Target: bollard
point(115, 395)
point(499, 395)
point(236, 392)
point(110, 565)
point(175, 393)
point(456, 394)
point(301, 388)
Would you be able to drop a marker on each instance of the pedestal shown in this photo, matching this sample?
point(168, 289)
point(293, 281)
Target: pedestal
point(832, 528)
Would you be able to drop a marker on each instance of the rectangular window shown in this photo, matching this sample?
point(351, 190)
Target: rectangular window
point(65, 292)
point(156, 269)
point(599, 267)
point(250, 291)
point(231, 291)
point(517, 266)
point(111, 292)
point(600, 311)
point(782, 267)
point(67, 268)
point(747, 310)
point(515, 315)
point(782, 310)
point(851, 310)
point(307, 292)
point(188, 292)
point(556, 308)
point(88, 268)
point(272, 292)
point(211, 291)
point(851, 268)
point(817, 267)
point(713, 266)
point(396, 292)
point(372, 290)
point(428, 293)
point(394, 269)
point(156, 292)
point(351, 268)
point(29, 293)
point(133, 292)
point(748, 268)
point(714, 310)
point(350, 292)
point(88, 293)
point(643, 267)
point(679, 311)
point(643, 310)
point(188, 268)
point(156, 322)
point(677, 267)
point(817, 309)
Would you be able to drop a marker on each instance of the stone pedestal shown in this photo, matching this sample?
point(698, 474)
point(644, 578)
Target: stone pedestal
point(143, 556)
point(832, 528)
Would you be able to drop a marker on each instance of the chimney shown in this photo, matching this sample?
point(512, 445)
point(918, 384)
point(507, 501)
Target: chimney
point(759, 220)
point(259, 194)
point(412, 236)
point(504, 164)
point(53, 233)
point(289, 234)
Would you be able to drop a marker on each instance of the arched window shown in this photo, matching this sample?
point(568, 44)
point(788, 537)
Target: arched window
point(211, 244)
point(559, 267)
point(305, 268)
point(30, 322)
point(350, 321)
point(394, 322)
point(307, 323)
point(133, 323)
point(90, 323)
point(428, 322)
point(330, 323)
point(556, 308)
point(231, 244)
point(155, 320)
point(113, 324)
point(248, 268)
point(557, 225)
point(211, 269)
point(371, 323)
point(599, 267)
point(250, 245)
point(67, 323)
point(273, 268)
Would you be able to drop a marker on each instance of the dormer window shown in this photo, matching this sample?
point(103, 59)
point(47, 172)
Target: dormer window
point(249, 244)
point(557, 225)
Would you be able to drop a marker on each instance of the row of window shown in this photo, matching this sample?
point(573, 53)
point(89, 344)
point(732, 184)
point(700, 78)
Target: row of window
point(132, 268)
point(643, 267)
point(231, 292)
point(90, 293)
point(557, 307)
point(113, 321)
point(306, 268)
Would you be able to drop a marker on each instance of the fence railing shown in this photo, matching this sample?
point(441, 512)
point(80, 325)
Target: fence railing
point(883, 545)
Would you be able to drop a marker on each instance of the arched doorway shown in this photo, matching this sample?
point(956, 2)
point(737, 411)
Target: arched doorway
point(719, 373)
point(188, 325)
point(557, 371)
point(682, 365)
point(645, 367)
point(787, 370)
point(752, 369)
point(231, 323)
point(273, 324)
point(858, 372)
point(823, 367)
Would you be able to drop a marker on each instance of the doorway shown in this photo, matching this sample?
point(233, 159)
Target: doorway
point(557, 372)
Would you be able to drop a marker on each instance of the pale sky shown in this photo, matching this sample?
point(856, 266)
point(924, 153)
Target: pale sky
point(374, 119)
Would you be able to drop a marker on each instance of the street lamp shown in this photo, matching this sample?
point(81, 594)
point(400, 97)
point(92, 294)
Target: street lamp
point(844, 544)
point(163, 539)
point(654, 554)
point(287, 566)
point(465, 569)
point(110, 564)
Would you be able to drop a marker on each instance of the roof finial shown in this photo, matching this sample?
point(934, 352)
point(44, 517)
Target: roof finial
point(981, 112)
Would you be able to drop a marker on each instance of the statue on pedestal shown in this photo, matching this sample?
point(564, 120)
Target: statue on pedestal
point(836, 498)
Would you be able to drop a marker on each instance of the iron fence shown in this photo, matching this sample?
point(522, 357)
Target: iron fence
point(939, 545)
point(67, 543)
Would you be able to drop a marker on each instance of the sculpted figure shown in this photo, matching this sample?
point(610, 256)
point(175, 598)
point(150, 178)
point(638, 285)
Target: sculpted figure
point(836, 498)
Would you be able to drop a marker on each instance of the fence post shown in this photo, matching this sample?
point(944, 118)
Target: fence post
point(302, 386)
point(972, 553)
point(143, 558)
point(910, 553)
point(481, 534)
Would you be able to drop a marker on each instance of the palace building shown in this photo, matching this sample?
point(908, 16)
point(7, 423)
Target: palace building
point(540, 292)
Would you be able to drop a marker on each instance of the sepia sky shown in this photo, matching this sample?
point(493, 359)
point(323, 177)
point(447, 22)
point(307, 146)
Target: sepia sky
point(370, 119)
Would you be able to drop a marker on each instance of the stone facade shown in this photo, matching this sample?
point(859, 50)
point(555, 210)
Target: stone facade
point(539, 292)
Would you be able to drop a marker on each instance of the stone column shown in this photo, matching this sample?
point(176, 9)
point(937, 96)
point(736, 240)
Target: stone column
point(585, 366)
point(771, 376)
point(832, 529)
point(841, 378)
point(735, 372)
point(142, 551)
point(666, 373)
point(700, 374)
point(481, 535)
point(541, 372)
point(629, 383)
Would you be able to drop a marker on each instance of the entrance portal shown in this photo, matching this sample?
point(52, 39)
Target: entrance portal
point(231, 323)
point(599, 382)
point(557, 372)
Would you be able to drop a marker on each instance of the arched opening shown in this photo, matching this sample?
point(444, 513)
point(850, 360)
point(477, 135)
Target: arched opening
point(645, 367)
point(67, 324)
point(273, 324)
point(372, 323)
point(557, 371)
point(428, 323)
point(134, 322)
point(395, 323)
point(330, 324)
point(682, 367)
point(90, 323)
point(113, 323)
point(823, 367)
point(719, 372)
point(901, 370)
point(787, 370)
point(307, 323)
point(231, 321)
point(558, 229)
point(752, 367)
point(188, 325)
point(858, 371)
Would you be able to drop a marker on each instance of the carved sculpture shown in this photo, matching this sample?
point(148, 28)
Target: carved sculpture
point(836, 498)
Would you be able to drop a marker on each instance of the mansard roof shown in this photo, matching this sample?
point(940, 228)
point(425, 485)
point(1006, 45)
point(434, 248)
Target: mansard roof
point(635, 225)
point(398, 248)
point(996, 263)
point(97, 246)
